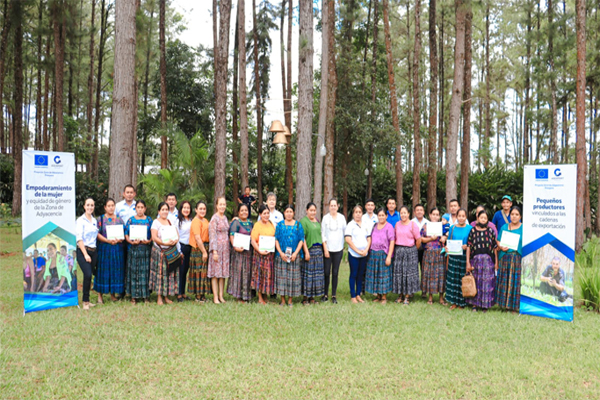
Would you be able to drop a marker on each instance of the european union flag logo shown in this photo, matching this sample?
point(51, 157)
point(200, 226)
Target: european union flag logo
point(41, 160)
point(541, 173)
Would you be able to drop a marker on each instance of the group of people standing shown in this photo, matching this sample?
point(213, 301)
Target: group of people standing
point(388, 252)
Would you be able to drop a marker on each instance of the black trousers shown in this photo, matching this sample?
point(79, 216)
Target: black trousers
point(186, 250)
point(88, 269)
point(334, 260)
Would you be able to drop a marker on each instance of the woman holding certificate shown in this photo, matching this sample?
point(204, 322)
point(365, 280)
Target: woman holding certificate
point(406, 263)
point(263, 242)
point(198, 281)
point(164, 280)
point(218, 262)
point(434, 266)
point(110, 273)
point(508, 284)
point(482, 261)
point(240, 265)
point(379, 266)
point(289, 240)
point(313, 275)
point(139, 237)
point(456, 245)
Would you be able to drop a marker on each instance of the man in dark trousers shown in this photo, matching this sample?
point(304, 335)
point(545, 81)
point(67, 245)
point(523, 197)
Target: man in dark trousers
point(247, 199)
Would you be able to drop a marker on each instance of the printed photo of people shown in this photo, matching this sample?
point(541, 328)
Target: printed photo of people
point(548, 276)
point(49, 266)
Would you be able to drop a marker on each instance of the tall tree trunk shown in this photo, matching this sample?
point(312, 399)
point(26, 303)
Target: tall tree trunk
point(241, 34)
point(580, 121)
point(318, 178)
point(442, 128)
point(103, 26)
point(3, 42)
point(433, 105)
point(164, 151)
point(288, 111)
point(488, 115)
point(124, 107)
point(38, 101)
point(373, 93)
point(90, 104)
point(554, 128)
point(17, 144)
point(465, 158)
point(259, 118)
point(416, 195)
point(305, 109)
point(234, 114)
point(393, 101)
point(455, 103)
point(221, 99)
point(328, 189)
point(526, 125)
point(59, 27)
point(284, 81)
point(45, 132)
point(146, 85)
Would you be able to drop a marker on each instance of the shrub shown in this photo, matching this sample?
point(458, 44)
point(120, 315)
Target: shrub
point(587, 262)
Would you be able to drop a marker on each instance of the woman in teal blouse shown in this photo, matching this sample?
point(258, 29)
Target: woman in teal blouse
point(457, 264)
point(508, 280)
point(289, 240)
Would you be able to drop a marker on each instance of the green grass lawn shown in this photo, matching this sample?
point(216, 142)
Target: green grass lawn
point(326, 351)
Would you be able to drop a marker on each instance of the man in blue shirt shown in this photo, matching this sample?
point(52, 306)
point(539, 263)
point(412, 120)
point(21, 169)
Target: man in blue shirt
point(502, 217)
point(247, 199)
point(392, 215)
point(39, 264)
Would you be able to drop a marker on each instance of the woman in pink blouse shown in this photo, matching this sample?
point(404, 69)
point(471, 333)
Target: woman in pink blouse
point(406, 263)
point(218, 262)
point(379, 268)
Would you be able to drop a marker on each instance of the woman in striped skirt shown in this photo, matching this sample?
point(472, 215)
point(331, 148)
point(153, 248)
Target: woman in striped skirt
point(379, 266)
point(406, 263)
point(482, 261)
point(289, 240)
point(198, 281)
point(163, 282)
point(457, 264)
point(262, 261)
point(138, 256)
point(508, 284)
point(433, 280)
point(111, 264)
point(313, 272)
point(240, 266)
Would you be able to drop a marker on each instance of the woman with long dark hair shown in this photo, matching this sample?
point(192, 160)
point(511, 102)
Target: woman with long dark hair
point(240, 264)
point(110, 276)
point(138, 256)
point(289, 240)
point(184, 224)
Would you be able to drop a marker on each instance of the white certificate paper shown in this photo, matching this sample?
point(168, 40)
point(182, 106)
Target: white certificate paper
point(241, 240)
point(510, 240)
point(114, 232)
point(434, 229)
point(168, 233)
point(266, 243)
point(138, 232)
point(455, 247)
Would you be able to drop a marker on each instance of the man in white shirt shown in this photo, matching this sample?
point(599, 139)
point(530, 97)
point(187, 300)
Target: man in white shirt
point(419, 213)
point(275, 216)
point(173, 216)
point(369, 218)
point(450, 218)
point(125, 209)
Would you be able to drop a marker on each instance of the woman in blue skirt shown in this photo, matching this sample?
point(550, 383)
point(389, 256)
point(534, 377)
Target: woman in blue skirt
point(110, 272)
point(138, 256)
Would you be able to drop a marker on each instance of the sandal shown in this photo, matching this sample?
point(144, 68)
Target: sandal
point(430, 302)
point(406, 302)
point(443, 303)
point(453, 307)
point(304, 302)
point(398, 300)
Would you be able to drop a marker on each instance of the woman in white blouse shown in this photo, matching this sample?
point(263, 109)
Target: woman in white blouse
point(358, 237)
point(332, 234)
point(161, 281)
point(87, 256)
point(183, 228)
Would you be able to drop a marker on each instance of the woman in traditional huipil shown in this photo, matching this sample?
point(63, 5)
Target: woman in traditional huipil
point(289, 240)
point(433, 279)
point(138, 256)
point(379, 266)
point(457, 264)
point(313, 275)
point(262, 261)
point(110, 274)
point(482, 261)
point(508, 283)
point(240, 265)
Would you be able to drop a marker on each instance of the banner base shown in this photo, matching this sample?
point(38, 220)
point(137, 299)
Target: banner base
point(46, 301)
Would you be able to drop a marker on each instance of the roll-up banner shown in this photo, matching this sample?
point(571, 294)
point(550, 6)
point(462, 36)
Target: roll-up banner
point(48, 209)
point(548, 263)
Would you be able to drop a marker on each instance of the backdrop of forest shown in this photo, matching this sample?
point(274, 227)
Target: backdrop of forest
point(420, 100)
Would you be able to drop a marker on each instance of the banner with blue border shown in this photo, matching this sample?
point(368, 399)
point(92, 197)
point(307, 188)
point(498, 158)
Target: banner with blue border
point(49, 248)
point(548, 257)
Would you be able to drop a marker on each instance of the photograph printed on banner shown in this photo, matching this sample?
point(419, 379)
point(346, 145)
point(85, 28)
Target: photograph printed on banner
point(49, 266)
point(547, 275)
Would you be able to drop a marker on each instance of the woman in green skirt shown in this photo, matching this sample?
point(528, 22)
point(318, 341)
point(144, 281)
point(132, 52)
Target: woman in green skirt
point(138, 255)
point(457, 264)
point(508, 280)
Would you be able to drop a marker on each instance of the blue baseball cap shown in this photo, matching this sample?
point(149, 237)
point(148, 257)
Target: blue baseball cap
point(507, 197)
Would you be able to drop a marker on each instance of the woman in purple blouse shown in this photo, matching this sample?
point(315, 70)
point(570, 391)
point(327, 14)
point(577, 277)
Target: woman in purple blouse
point(379, 268)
